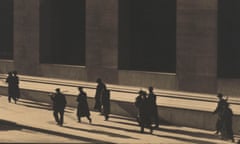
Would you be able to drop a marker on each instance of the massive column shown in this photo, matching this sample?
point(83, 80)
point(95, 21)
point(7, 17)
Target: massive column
point(197, 45)
point(26, 36)
point(102, 40)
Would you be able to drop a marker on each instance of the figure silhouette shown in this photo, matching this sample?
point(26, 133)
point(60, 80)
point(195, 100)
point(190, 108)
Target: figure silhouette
point(100, 91)
point(153, 106)
point(59, 103)
point(143, 109)
point(11, 87)
point(219, 111)
point(82, 109)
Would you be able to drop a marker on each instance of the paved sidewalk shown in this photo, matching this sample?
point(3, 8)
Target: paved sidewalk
point(30, 121)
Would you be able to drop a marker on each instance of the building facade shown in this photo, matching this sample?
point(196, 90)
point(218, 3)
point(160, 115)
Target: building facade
point(182, 45)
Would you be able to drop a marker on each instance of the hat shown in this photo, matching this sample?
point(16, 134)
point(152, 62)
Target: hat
point(57, 89)
point(140, 92)
point(80, 88)
point(150, 88)
point(99, 80)
point(220, 95)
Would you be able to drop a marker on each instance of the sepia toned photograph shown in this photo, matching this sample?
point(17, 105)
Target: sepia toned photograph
point(120, 71)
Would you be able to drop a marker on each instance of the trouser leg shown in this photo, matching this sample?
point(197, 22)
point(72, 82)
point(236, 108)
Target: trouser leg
point(61, 117)
point(55, 114)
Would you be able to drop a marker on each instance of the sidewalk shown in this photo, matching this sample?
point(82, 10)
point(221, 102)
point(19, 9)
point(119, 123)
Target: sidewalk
point(30, 121)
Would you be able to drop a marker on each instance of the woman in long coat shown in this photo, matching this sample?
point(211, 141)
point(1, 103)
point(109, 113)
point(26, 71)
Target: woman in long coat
point(82, 109)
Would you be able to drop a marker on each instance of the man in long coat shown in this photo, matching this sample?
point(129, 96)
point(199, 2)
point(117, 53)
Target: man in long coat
point(219, 111)
point(152, 98)
point(82, 109)
point(16, 89)
point(100, 91)
point(10, 81)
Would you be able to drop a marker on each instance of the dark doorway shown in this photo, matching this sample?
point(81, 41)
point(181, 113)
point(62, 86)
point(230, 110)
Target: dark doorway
point(62, 32)
point(147, 35)
point(6, 29)
point(229, 38)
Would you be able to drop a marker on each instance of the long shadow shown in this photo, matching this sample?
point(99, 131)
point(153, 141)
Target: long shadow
point(123, 118)
point(161, 121)
point(8, 125)
point(55, 133)
point(41, 104)
point(100, 132)
point(41, 107)
point(186, 139)
point(35, 103)
point(117, 128)
point(195, 134)
point(124, 123)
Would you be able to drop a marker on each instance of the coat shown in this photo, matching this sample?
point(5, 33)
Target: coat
point(83, 109)
point(59, 102)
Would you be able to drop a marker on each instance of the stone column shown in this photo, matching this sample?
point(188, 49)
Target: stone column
point(197, 45)
point(26, 36)
point(102, 40)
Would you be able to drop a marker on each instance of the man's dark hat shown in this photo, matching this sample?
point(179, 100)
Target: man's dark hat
point(57, 89)
point(220, 95)
point(150, 88)
point(99, 80)
point(141, 92)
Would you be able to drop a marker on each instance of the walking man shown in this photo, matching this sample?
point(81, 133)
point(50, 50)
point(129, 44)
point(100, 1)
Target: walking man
point(219, 111)
point(10, 81)
point(59, 103)
point(16, 89)
point(153, 106)
point(100, 91)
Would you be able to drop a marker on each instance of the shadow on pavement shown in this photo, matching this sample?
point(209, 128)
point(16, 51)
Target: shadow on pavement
point(38, 106)
point(190, 133)
point(117, 128)
point(100, 132)
point(8, 125)
point(186, 139)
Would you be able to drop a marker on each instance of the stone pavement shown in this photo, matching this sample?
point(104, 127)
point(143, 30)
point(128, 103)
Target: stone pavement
point(31, 121)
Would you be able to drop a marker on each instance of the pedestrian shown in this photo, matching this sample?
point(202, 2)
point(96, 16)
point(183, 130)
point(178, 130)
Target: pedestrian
point(106, 104)
point(82, 109)
point(143, 109)
point(10, 81)
point(219, 111)
point(16, 89)
point(153, 106)
point(59, 103)
point(100, 91)
point(226, 130)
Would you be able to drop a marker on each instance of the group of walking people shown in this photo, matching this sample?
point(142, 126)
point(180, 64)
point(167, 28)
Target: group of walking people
point(224, 120)
point(147, 110)
point(145, 103)
point(102, 103)
point(13, 86)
